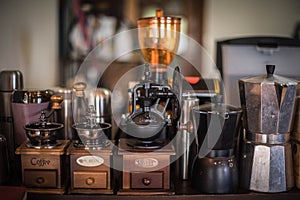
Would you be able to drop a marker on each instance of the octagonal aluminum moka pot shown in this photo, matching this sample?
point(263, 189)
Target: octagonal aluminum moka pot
point(268, 102)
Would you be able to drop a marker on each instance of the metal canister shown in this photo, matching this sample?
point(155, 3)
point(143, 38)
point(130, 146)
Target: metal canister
point(65, 114)
point(10, 81)
point(100, 98)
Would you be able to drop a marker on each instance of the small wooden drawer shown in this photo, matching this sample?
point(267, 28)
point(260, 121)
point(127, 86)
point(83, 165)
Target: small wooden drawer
point(40, 178)
point(93, 180)
point(144, 180)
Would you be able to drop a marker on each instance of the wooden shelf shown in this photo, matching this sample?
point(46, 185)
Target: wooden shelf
point(247, 196)
point(183, 192)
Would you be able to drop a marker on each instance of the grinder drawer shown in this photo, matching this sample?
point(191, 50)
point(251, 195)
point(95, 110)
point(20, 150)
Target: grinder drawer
point(40, 178)
point(143, 180)
point(90, 179)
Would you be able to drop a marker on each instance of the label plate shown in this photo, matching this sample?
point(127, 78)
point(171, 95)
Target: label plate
point(90, 161)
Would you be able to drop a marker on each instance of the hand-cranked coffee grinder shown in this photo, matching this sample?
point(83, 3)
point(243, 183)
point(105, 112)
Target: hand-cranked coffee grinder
point(90, 155)
point(150, 126)
point(43, 154)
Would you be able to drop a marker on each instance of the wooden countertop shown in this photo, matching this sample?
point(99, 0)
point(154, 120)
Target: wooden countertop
point(183, 192)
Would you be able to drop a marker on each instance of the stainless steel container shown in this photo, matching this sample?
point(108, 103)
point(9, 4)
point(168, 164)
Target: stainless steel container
point(10, 81)
point(100, 98)
point(268, 103)
point(65, 114)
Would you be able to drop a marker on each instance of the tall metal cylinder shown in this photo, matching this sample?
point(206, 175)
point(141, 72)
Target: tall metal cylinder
point(10, 81)
point(65, 114)
point(185, 139)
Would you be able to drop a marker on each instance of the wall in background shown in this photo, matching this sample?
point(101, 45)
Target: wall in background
point(227, 19)
point(29, 40)
point(29, 31)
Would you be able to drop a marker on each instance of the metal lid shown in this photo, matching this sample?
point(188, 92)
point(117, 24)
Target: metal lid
point(11, 80)
point(217, 107)
point(270, 78)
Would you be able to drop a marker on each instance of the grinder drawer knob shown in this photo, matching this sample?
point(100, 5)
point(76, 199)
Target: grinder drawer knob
point(40, 180)
point(146, 181)
point(90, 181)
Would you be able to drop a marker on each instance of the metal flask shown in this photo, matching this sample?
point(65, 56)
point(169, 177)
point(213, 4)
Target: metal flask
point(268, 103)
point(10, 80)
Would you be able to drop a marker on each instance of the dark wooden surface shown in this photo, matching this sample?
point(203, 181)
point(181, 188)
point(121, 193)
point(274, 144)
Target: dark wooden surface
point(248, 196)
point(182, 191)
